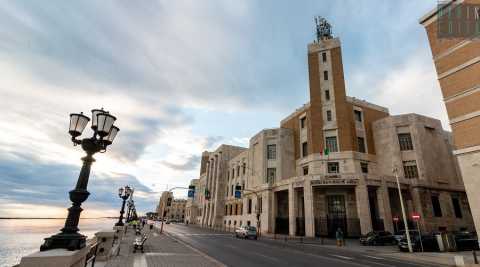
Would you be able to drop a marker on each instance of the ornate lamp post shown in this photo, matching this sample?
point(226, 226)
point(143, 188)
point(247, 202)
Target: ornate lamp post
point(103, 135)
point(124, 193)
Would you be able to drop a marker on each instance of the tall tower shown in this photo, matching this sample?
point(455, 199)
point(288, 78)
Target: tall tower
point(331, 116)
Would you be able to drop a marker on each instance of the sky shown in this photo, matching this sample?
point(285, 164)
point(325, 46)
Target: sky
point(181, 77)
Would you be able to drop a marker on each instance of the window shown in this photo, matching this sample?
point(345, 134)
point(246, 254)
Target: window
point(333, 167)
point(271, 151)
point(364, 167)
point(456, 207)
point(410, 169)
point(327, 95)
point(325, 75)
point(226, 209)
point(228, 176)
point(358, 115)
point(324, 57)
point(302, 122)
point(329, 115)
point(361, 144)
point(233, 173)
point(249, 206)
point(304, 149)
point(271, 173)
point(244, 168)
point(405, 141)
point(305, 170)
point(331, 143)
point(437, 210)
point(238, 171)
point(232, 192)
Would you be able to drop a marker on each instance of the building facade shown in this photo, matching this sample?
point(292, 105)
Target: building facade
point(330, 165)
point(457, 62)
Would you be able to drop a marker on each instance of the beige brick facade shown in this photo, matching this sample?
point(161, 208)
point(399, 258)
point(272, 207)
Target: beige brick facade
point(457, 61)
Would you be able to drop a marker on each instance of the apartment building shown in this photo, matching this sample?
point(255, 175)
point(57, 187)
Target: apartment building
point(331, 165)
point(456, 56)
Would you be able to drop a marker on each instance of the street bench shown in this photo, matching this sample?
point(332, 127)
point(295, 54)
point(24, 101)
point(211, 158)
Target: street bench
point(139, 242)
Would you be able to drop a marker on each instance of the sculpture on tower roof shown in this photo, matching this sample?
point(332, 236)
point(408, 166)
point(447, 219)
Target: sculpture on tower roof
point(324, 29)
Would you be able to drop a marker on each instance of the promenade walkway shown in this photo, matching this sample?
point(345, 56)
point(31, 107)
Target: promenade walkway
point(160, 250)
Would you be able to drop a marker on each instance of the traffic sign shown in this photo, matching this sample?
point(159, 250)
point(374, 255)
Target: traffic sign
point(396, 219)
point(415, 216)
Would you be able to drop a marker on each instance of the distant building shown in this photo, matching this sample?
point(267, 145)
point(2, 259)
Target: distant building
point(172, 209)
point(457, 61)
point(330, 165)
point(192, 208)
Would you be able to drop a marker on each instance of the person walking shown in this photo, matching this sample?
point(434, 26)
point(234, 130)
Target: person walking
point(339, 237)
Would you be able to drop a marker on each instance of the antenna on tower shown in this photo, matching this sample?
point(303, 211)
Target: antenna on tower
point(323, 28)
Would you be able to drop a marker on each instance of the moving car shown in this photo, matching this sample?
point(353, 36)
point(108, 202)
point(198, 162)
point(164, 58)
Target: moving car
point(246, 232)
point(429, 243)
point(375, 238)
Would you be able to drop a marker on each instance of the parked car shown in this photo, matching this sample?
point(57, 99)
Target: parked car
point(429, 242)
point(401, 234)
point(246, 232)
point(466, 240)
point(375, 238)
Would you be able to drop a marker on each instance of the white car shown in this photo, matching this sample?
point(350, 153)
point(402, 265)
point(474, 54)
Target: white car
point(246, 232)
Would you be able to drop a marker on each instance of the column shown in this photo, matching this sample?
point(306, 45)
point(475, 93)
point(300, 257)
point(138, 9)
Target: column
point(308, 209)
point(291, 211)
point(384, 209)
point(363, 208)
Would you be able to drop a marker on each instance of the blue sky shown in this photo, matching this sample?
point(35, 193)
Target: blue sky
point(181, 77)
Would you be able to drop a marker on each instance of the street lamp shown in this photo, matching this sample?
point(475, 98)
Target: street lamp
point(395, 171)
point(103, 135)
point(124, 193)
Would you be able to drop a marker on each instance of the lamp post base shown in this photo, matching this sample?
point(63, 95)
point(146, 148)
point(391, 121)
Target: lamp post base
point(73, 241)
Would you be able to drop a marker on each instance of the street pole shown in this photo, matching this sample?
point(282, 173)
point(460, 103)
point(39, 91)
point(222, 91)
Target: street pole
point(409, 242)
point(420, 234)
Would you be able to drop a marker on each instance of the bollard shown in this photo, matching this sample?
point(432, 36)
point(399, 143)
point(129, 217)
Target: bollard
point(475, 260)
point(321, 240)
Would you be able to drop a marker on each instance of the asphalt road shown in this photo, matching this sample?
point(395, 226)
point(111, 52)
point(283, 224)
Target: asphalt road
point(230, 251)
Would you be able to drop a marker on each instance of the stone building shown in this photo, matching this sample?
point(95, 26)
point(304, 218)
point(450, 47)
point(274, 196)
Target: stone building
point(191, 207)
point(172, 209)
point(176, 211)
point(331, 165)
point(457, 62)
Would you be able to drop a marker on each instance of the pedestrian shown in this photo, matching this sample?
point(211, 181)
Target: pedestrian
point(339, 236)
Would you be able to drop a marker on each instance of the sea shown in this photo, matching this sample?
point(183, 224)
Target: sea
point(21, 237)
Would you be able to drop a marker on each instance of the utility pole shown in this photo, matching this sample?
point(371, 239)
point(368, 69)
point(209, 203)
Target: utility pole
point(409, 242)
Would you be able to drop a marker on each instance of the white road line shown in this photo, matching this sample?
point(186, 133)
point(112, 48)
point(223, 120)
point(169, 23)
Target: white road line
point(215, 261)
point(341, 257)
point(373, 257)
point(139, 260)
point(265, 256)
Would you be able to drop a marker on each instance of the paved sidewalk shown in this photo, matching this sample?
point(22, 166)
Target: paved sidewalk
point(160, 250)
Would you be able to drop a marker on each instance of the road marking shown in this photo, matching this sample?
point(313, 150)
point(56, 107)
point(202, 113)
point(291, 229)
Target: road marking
point(341, 257)
point(139, 260)
point(373, 257)
point(265, 256)
point(217, 263)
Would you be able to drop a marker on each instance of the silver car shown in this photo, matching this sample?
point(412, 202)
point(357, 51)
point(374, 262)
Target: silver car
point(246, 232)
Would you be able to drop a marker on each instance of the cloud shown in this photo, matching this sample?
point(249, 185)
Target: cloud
point(27, 182)
point(190, 164)
point(412, 87)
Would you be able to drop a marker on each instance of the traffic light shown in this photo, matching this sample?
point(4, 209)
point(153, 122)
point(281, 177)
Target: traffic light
point(169, 202)
point(238, 191)
point(191, 191)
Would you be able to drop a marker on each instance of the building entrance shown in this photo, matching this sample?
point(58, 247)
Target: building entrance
point(337, 214)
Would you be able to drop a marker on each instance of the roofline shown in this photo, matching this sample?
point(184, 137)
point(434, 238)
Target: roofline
point(434, 11)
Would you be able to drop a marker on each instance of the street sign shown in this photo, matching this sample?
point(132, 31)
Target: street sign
point(416, 216)
point(191, 193)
